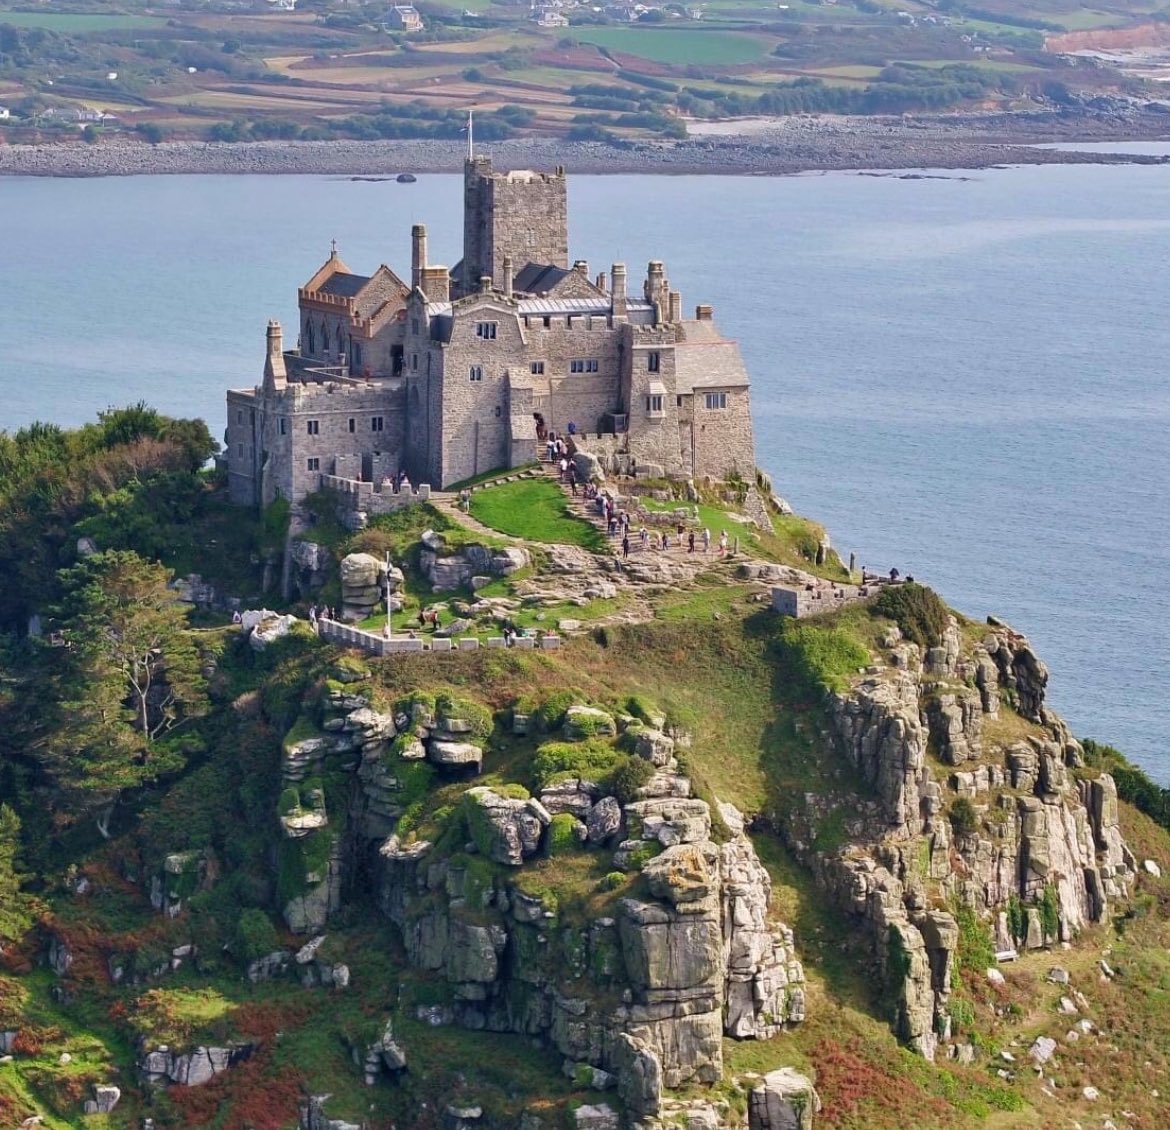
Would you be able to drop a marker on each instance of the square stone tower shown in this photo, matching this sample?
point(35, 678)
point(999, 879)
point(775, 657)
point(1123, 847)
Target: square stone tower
point(523, 215)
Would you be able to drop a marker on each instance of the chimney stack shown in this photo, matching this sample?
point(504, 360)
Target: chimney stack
point(274, 370)
point(485, 284)
point(703, 313)
point(508, 276)
point(675, 307)
point(600, 282)
point(617, 283)
point(436, 284)
point(418, 253)
point(581, 266)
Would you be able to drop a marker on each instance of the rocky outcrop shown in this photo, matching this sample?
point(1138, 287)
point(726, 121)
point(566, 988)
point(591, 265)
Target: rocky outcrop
point(364, 581)
point(696, 956)
point(448, 570)
point(785, 1100)
point(191, 1068)
point(1029, 833)
point(309, 566)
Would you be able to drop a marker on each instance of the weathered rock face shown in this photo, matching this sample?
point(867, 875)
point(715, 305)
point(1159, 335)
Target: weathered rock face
point(697, 957)
point(1029, 831)
point(448, 571)
point(364, 581)
point(309, 566)
point(785, 1100)
point(190, 1068)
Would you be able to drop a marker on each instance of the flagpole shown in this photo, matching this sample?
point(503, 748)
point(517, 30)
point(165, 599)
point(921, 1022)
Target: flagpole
point(470, 141)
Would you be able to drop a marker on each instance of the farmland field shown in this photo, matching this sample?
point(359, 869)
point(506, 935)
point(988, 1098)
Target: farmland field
point(667, 45)
point(78, 22)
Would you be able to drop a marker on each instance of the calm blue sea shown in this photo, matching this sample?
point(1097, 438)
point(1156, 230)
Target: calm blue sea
point(967, 377)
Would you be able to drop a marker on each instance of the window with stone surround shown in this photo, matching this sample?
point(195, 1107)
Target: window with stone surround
point(653, 362)
point(486, 330)
point(376, 424)
point(414, 326)
point(414, 361)
point(283, 426)
point(654, 404)
point(583, 365)
point(352, 424)
point(314, 464)
point(537, 368)
point(713, 400)
point(475, 373)
point(313, 427)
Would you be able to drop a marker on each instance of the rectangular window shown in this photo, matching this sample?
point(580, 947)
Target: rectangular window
point(486, 330)
point(239, 415)
point(654, 404)
point(653, 362)
point(475, 373)
point(313, 427)
point(537, 368)
point(583, 365)
point(240, 450)
point(376, 424)
point(352, 424)
point(314, 464)
point(497, 410)
point(283, 426)
point(547, 322)
point(414, 361)
point(715, 400)
point(414, 326)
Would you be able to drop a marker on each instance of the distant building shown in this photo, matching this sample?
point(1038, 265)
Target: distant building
point(550, 17)
point(4, 113)
point(404, 17)
point(463, 370)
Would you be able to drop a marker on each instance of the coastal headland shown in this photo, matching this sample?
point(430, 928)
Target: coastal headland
point(769, 147)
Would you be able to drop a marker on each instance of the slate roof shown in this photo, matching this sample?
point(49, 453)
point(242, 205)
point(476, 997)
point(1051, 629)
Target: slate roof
point(343, 285)
point(537, 277)
point(708, 364)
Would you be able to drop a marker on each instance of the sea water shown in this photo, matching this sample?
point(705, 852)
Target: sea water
point(962, 375)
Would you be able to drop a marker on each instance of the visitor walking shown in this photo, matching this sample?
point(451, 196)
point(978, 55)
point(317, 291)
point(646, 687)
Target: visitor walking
point(644, 534)
point(723, 543)
point(691, 542)
point(626, 546)
point(706, 540)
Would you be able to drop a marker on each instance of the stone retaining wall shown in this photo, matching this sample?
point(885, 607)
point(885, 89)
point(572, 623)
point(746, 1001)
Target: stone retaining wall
point(376, 644)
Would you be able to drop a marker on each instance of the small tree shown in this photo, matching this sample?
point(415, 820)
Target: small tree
point(15, 906)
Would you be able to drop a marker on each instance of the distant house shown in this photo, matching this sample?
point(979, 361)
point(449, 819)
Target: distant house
point(550, 17)
point(405, 17)
point(283, 5)
point(4, 114)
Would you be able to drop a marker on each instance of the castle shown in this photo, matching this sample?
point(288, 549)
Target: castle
point(462, 371)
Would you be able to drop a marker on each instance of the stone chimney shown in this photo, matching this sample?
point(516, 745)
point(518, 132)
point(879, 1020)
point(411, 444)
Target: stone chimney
point(600, 281)
point(581, 266)
point(675, 307)
point(485, 284)
point(436, 284)
point(617, 280)
point(508, 276)
point(655, 277)
point(703, 313)
point(274, 370)
point(418, 254)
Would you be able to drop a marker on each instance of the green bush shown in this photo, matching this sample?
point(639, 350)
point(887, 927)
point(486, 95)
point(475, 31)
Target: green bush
point(550, 714)
point(1050, 912)
point(479, 717)
point(976, 951)
point(823, 659)
point(255, 935)
point(611, 881)
point(964, 818)
point(562, 835)
point(512, 791)
point(642, 709)
point(627, 777)
point(642, 854)
point(917, 610)
point(556, 761)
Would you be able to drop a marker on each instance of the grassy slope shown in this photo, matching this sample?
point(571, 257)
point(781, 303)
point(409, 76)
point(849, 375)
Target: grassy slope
point(534, 509)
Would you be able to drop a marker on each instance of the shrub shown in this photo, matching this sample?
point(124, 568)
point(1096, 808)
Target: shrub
point(1050, 912)
point(255, 935)
point(479, 717)
point(643, 709)
point(512, 791)
point(611, 881)
point(642, 854)
point(964, 818)
point(562, 835)
point(627, 777)
point(917, 610)
point(1017, 918)
point(550, 714)
point(555, 761)
point(976, 952)
point(962, 1013)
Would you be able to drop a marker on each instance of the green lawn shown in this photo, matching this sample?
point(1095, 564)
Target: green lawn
point(668, 45)
point(534, 509)
point(77, 22)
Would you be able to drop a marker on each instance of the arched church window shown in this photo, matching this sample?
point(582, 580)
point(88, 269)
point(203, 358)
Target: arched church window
point(324, 339)
point(311, 338)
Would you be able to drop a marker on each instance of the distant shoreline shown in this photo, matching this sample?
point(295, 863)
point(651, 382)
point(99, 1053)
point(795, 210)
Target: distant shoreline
point(784, 146)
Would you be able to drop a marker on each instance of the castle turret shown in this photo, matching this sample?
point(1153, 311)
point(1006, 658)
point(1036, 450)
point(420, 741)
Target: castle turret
point(275, 375)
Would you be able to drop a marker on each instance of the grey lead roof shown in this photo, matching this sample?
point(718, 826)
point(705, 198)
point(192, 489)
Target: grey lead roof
point(537, 277)
point(343, 285)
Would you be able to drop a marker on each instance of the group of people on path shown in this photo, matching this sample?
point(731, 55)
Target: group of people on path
point(618, 522)
point(322, 613)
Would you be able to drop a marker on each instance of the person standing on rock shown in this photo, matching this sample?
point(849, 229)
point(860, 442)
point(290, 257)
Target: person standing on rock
point(706, 540)
point(691, 542)
point(626, 546)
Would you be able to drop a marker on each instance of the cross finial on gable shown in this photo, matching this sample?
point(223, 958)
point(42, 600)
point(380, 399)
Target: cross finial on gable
point(333, 248)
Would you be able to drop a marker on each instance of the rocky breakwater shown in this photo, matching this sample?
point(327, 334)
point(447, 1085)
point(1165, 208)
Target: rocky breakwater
point(636, 998)
point(977, 802)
